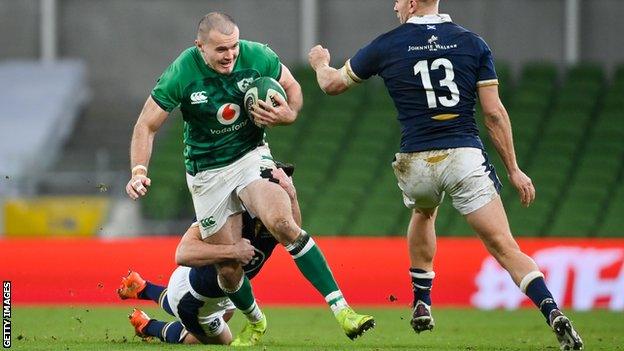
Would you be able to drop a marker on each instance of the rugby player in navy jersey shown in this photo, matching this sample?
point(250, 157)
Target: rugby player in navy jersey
point(193, 295)
point(434, 71)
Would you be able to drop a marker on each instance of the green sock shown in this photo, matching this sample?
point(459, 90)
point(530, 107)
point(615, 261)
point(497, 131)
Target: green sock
point(314, 268)
point(243, 298)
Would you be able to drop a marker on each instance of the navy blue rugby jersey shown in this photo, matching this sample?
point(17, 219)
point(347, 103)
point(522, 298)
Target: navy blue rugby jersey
point(431, 68)
point(204, 279)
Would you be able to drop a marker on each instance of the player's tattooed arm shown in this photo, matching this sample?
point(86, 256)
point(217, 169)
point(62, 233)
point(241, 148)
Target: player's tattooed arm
point(499, 128)
point(150, 120)
point(192, 251)
point(330, 80)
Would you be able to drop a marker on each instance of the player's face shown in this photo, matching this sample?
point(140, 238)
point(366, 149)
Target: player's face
point(220, 50)
point(402, 9)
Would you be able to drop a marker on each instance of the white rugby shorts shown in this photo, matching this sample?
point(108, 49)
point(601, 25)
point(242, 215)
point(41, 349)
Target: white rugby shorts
point(209, 316)
point(463, 173)
point(215, 191)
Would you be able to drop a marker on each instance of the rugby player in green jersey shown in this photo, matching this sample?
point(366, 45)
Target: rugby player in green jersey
point(224, 154)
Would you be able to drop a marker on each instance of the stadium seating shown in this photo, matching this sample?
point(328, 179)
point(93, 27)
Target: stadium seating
point(568, 134)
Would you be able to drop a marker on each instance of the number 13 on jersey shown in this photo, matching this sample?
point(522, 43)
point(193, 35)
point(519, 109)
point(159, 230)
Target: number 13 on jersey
point(422, 69)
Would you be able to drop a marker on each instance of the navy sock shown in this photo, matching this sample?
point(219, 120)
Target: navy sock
point(154, 328)
point(422, 281)
point(541, 296)
point(165, 305)
point(166, 332)
point(152, 292)
point(172, 332)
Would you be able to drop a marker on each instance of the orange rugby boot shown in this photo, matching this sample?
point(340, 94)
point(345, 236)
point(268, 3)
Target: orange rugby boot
point(131, 286)
point(139, 320)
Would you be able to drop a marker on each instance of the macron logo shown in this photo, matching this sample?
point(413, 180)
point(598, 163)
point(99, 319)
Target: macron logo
point(198, 97)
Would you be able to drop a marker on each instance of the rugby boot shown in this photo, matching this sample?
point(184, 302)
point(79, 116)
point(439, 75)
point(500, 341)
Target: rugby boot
point(139, 321)
point(354, 324)
point(131, 286)
point(251, 333)
point(421, 317)
point(568, 338)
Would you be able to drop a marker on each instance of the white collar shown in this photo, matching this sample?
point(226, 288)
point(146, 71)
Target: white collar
point(430, 19)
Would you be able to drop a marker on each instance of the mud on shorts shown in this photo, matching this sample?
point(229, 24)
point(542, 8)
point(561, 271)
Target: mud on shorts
point(215, 191)
point(200, 315)
point(465, 174)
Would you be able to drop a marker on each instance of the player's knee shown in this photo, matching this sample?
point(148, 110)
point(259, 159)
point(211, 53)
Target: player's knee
point(502, 249)
point(230, 274)
point(284, 228)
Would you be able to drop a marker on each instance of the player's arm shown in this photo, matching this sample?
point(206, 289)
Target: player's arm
point(331, 80)
point(293, 91)
point(284, 113)
point(149, 122)
point(499, 128)
point(192, 251)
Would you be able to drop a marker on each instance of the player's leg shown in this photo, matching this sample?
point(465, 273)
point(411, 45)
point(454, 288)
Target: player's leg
point(417, 176)
point(490, 223)
point(218, 209)
point(133, 286)
point(473, 186)
point(272, 205)
point(202, 319)
point(231, 278)
point(145, 327)
point(421, 239)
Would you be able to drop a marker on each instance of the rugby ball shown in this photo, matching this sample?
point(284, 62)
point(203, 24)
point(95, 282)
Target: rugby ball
point(265, 89)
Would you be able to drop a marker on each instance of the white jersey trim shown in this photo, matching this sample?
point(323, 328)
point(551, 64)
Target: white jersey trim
point(430, 19)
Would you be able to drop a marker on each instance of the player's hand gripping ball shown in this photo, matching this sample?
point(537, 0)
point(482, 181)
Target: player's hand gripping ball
point(265, 89)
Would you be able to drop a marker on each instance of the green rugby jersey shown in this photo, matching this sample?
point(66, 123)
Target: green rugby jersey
point(217, 130)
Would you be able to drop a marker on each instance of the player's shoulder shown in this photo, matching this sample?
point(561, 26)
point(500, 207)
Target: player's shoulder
point(186, 63)
point(257, 56)
point(254, 48)
point(389, 36)
point(187, 56)
point(470, 36)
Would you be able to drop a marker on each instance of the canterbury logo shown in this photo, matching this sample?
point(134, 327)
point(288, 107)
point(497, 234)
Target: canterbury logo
point(208, 222)
point(198, 97)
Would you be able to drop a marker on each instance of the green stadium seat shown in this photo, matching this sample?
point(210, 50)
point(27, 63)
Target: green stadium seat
point(585, 72)
point(540, 71)
point(613, 224)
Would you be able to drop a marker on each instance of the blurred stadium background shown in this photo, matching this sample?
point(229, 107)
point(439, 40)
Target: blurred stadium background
point(75, 73)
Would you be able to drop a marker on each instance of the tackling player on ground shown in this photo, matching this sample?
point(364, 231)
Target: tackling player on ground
point(193, 295)
point(434, 70)
point(224, 152)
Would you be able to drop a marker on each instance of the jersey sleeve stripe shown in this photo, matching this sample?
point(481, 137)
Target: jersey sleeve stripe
point(352, 74)
point(486, 83)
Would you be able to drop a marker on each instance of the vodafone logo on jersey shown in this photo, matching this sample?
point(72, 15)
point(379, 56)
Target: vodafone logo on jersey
point(228, 113)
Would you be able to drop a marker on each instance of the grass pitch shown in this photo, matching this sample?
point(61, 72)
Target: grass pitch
point(305, 328)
